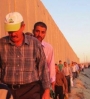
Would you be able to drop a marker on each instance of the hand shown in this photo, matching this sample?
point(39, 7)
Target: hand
point(66, 91)
point(46, 94)
point(53, 85)
point(52, 94)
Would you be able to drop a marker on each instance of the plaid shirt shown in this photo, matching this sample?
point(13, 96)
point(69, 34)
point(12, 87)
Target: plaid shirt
point(23, 64)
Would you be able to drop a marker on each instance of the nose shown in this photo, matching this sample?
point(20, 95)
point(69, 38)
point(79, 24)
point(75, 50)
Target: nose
point(40, 33)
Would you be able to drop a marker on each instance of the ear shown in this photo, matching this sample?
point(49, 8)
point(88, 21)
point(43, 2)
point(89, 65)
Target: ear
point(23, 26)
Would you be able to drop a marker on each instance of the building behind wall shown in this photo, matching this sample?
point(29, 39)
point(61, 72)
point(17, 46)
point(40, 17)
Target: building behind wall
point(33, 11)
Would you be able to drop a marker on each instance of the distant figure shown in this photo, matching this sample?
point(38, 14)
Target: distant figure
point(59, 83)
point(74, 70)
point(60, 65)
point(77, 69)
point(68, 74)
point(82, 67)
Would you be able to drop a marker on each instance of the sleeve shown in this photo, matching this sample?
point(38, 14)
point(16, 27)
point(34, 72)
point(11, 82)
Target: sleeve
point(43, 69)
point(51, 65)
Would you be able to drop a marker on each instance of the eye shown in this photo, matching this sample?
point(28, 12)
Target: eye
point(37, 30)
point(43, 32)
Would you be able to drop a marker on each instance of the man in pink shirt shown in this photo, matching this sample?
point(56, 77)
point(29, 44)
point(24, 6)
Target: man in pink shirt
point(39, 32)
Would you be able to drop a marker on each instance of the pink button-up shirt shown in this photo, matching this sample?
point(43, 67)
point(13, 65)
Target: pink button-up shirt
point(48, 50)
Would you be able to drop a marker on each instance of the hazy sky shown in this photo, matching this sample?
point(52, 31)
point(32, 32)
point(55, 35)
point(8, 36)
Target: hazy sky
point(73, 19)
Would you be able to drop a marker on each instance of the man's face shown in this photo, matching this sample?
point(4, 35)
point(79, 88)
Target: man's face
point(16, 36)
point(39, 32)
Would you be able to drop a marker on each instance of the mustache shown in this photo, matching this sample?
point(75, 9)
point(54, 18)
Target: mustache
point(13, 36)
point(39, 37)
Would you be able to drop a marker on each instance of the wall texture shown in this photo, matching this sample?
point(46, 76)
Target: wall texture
point(33, 11)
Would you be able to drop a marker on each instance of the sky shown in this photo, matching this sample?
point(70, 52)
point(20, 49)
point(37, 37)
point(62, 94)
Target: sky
point(73, 19)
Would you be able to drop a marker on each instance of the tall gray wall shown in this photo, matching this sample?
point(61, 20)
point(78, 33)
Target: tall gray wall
point(33, 11)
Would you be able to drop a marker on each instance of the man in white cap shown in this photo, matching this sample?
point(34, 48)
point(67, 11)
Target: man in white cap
point(22, 61)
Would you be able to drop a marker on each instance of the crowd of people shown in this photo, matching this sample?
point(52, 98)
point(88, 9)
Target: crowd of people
point(27, 67)
point(70, 72)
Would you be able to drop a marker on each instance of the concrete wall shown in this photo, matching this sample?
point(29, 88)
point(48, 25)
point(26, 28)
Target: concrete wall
point(33, 11)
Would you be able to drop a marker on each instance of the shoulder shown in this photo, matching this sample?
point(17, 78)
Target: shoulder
point(60, 74)
point(46, 44)
point(32, 40)
point(4, 39)
point(28, 33)
point(30, 37)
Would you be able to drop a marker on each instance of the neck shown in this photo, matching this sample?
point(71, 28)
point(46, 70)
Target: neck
point(20, 42)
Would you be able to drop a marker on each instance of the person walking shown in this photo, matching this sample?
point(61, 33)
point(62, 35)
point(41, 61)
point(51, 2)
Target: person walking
point(39, 32)
point(60, 65)
point(22, 61)
point(60, 83)
point(68, 74)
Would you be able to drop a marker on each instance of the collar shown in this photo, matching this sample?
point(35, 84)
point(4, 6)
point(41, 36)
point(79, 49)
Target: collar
point(43, 43)
point(26, 40)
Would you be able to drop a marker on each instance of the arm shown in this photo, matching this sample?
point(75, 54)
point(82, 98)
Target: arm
point(51, 65)
point(46, 94)
point(53, 85)
point(43, 73)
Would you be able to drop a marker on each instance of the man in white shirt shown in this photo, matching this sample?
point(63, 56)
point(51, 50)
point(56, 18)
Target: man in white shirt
point(68, 74)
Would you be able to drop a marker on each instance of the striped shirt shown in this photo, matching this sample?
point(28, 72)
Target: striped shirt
point(23, 64)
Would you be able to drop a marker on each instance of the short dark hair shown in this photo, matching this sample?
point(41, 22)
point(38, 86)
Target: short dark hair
point(55, 63)
point(60, 61)
point(42, 24)
point(65, 62)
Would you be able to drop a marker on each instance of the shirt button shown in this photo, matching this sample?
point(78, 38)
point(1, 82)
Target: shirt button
point(18, 56)
point(17, 65)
